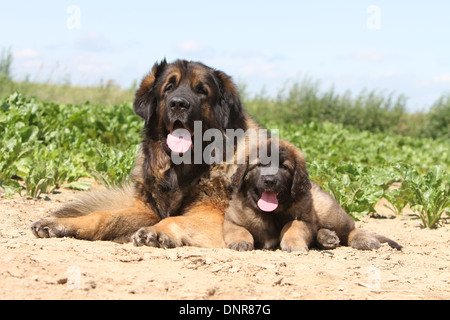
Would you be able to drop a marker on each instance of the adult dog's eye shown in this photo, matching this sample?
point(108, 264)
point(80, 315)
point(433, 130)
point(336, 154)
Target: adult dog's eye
point(201, 90)
point(168, 87)
point(283, 166)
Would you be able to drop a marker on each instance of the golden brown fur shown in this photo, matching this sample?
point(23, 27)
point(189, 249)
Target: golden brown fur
point(305, 212)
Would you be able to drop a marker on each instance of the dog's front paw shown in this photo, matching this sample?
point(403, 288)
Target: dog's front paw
point(294, 245)
point(241, 246)
point(327, 239)
point(149, 236)
point(50, 228)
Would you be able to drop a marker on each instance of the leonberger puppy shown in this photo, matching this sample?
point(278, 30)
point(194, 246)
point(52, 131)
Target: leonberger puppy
point(167, 204)
point(285, 209)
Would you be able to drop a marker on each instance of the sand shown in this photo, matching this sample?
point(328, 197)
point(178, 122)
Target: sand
point(32, 268)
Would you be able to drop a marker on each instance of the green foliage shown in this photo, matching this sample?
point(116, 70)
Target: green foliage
point(378, 112)
point(357, 188)
point(297, 103)
point(115, 167)
point(427, 193)
point(46, 145)
point(439, 119)
point(398, 200)
point(63, 93)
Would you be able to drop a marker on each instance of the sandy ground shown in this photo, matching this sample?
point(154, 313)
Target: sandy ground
point(65, 268)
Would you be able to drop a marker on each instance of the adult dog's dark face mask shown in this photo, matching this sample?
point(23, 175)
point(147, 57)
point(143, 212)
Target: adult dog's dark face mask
point(175, 96)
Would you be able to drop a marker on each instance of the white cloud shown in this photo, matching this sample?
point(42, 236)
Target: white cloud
point(91, 64)
point(442, 78)
point(387, 74)
point(190, 47)
point(368, 55)
point(437, 81)
point(263, 69)
point(93, 42)
point(27, 53)
point(26, 62)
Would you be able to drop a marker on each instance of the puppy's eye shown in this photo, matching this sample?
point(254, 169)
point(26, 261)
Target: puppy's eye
point(263, 165)
point(285, 167)
point(169, 87)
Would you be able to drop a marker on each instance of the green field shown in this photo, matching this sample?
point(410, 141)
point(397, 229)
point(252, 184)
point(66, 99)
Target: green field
point(356, 148)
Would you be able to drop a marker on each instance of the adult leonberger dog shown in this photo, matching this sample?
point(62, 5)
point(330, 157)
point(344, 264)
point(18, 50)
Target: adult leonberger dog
point(167, 204)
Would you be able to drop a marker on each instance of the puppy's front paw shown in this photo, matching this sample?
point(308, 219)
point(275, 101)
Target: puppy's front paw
point(327, 239)
point(241, 245)
point(293, 246)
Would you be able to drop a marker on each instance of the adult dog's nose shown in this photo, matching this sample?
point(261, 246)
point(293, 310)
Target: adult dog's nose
point(179, 103)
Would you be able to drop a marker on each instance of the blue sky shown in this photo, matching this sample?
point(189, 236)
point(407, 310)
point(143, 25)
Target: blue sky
point(391, 46)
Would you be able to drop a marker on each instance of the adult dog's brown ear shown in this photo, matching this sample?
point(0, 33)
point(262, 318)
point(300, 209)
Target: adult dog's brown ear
point(230, 113)
point(300, 181)
point(238, 177)
point(145, 99)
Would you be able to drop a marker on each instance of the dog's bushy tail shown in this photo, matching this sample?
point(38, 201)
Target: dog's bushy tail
point(109, 199)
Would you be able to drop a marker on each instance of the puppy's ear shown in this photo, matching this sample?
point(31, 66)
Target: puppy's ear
point(145, 99)
point(229, 114)
point(300, 181)
point(238, 177)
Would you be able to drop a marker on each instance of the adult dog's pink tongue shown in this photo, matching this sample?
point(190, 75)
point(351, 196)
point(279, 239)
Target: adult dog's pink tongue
point(268, 201)
point(179, 140)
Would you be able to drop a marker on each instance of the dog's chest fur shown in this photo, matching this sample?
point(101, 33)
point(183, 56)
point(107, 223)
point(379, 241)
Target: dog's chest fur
point(171, 189)
point(264, 227)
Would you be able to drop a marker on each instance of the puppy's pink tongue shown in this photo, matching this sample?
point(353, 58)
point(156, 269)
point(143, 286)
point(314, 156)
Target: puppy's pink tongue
point(268, 201)
point(179, 140)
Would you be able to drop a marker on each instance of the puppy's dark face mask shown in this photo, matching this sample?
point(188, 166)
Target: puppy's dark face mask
point(273, 192)
point(268, 189)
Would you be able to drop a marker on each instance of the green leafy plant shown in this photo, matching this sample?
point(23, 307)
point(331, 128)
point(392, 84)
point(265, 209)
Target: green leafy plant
point(113, 166)
point(357, 188)
point(428, 193)
point(397, 200)
point(39, 180)
point(44, 145)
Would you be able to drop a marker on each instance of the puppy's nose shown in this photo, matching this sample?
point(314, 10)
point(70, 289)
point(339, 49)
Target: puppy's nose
point(269, 180)
point(178, 103)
